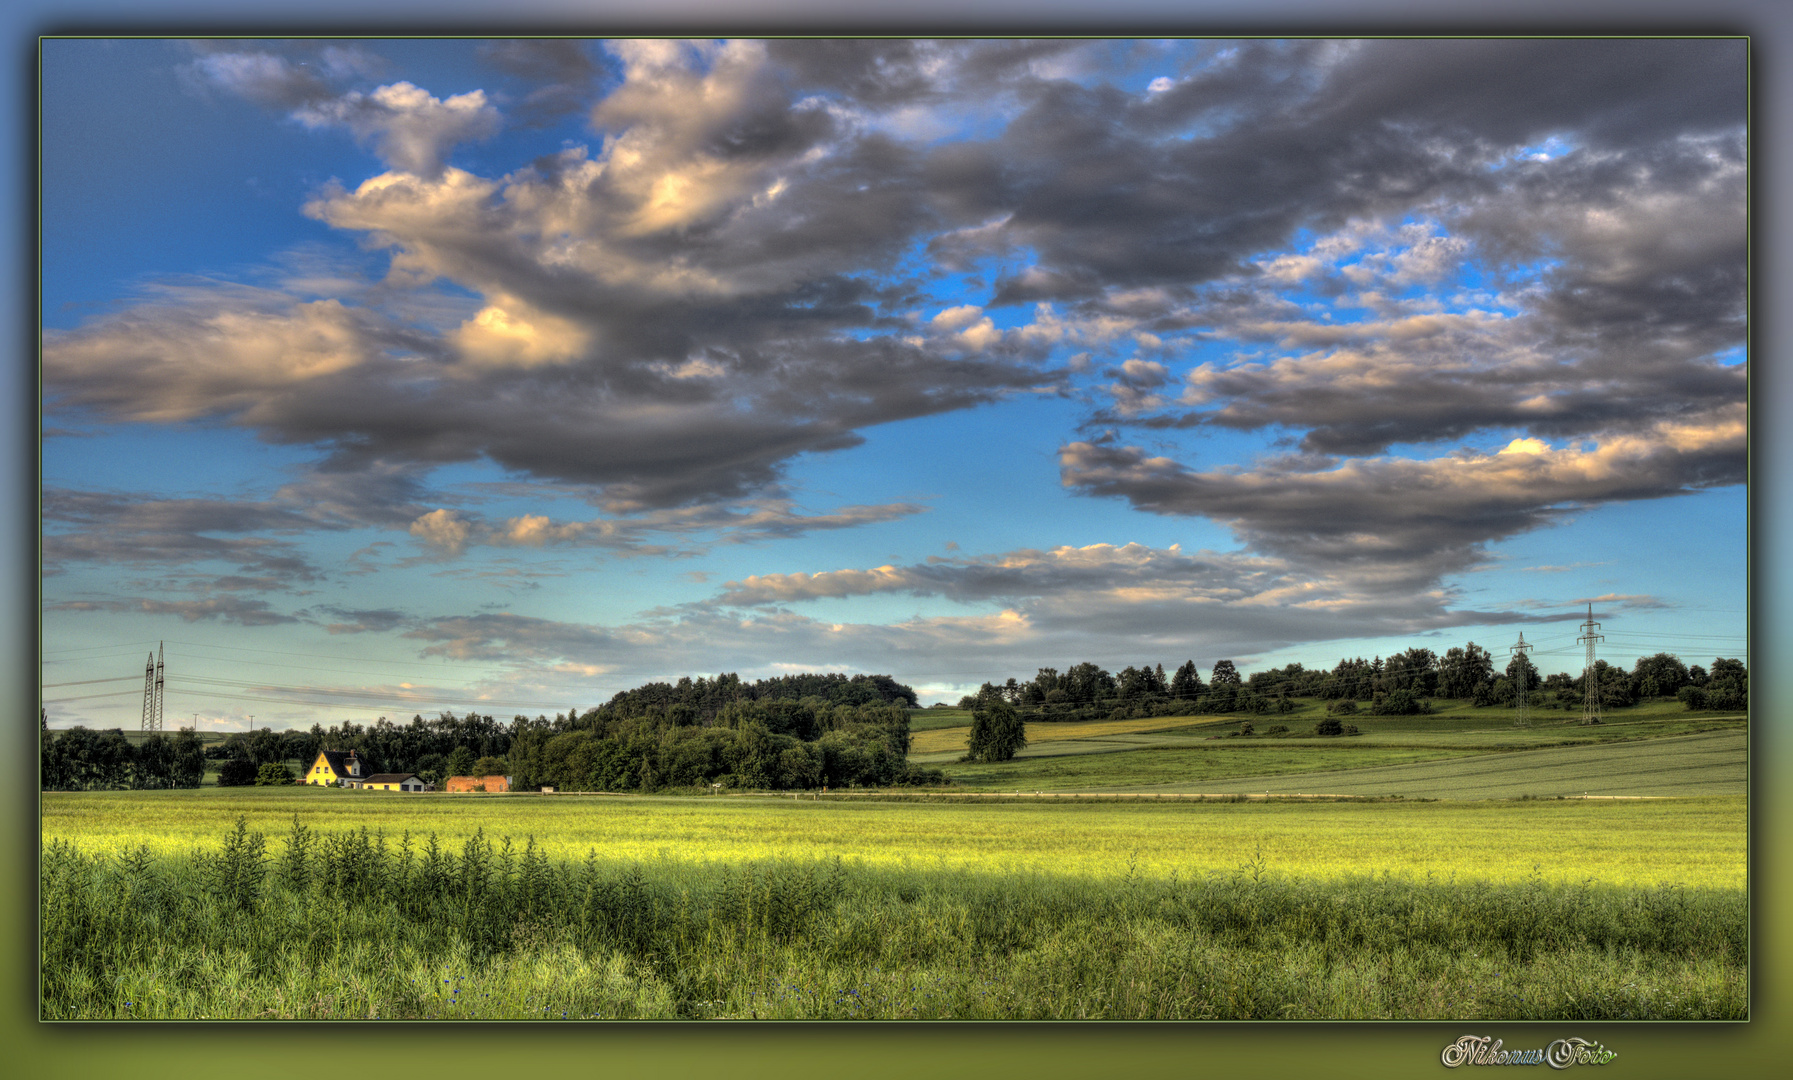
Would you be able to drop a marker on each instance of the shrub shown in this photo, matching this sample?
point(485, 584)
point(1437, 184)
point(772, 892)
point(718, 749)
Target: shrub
point(1276, 729)
point(273, 772)
point(1402, 702)
point(237, 772)
point(1245, 727)
point(1329, 726)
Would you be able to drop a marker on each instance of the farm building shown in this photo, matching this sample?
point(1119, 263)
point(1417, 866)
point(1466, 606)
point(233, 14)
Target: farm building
point(477, 783)
point(390, 781)
point(333, 767)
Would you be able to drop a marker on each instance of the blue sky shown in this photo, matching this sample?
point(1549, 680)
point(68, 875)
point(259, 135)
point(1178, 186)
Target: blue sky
point(389, 377)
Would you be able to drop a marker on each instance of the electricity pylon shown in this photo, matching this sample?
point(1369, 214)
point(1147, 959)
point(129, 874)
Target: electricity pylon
point(1521, 692)
point(152, 692)
point(1590, 679)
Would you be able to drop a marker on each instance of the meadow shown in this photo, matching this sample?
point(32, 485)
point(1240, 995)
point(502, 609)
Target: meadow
point(352, 924)
point(1466, 746)
point(300, 902)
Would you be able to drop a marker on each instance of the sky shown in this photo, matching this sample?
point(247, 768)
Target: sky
point(394, 376)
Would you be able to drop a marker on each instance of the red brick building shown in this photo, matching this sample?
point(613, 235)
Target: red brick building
point(474, 783)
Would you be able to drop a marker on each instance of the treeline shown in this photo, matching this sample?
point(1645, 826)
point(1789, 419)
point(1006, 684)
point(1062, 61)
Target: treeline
point(767, 744)
point(792, 732)
point(78, 759)
point(702, 700)
point(1400, 685)
point(424, 747)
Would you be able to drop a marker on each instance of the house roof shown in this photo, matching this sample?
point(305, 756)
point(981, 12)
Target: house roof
point(338, 760)
point(388, 778)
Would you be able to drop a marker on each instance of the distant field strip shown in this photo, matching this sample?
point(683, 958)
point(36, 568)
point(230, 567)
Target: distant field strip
point(1709, 764)
point(953, 739)
point(1202, 767)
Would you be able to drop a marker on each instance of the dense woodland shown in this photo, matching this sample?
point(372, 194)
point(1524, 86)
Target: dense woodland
point(811, 731)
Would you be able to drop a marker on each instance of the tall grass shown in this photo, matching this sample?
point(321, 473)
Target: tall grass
point(359, 924)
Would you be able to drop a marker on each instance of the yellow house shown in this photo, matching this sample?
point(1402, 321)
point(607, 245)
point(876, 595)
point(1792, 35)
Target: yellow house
point(334, 767)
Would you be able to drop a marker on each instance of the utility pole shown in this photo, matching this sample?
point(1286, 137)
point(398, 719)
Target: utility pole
point(1521, 691)
point(152, 692)
point(1590, 679)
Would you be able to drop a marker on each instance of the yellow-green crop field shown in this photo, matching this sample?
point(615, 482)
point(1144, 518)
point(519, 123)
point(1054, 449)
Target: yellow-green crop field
point(169, 905)
point(942, 740)
point(1689, 842)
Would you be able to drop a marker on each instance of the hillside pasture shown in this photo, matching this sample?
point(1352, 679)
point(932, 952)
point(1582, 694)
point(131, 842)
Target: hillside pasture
point(1714, 763)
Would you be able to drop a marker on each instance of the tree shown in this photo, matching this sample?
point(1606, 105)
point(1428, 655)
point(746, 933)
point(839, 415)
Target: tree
point(1186, 684)
point(997, 732)
point(488, 766)
point(237, 772)
point(153, 765)
point(1522, 672)
point(1728, 685)
point(1662, 675)
point(189, 760)
point(1466, 673)
point(461, 762)
point(432, 768)
point(1415, 669)
point(273, 772)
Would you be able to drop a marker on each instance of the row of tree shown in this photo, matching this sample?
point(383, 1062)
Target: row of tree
point(1402, 684)
point(82, 760)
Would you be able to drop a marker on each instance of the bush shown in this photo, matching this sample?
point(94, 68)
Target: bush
point(237, 772)
point(271, 773)
point(1245, 727)
point(1401, 702)
point(1329, 726)
point(1276, 729)
point(1344, 707)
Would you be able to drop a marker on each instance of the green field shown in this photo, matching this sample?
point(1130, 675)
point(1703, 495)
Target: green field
point(767, 907)
point(1458, 753)
point(1696, 842)
point(1459, 898)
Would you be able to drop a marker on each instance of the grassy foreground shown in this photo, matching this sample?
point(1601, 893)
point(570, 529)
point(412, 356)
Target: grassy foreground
point(352, 925)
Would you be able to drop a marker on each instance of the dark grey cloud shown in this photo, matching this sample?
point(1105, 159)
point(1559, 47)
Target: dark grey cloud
point(562, 75)
point(1112, 191)
point(229, 609)
point(111, 529)
point(1415, 521)
point(362, 620)
point(261, 538)
point(279, 75)
point(727, 280)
